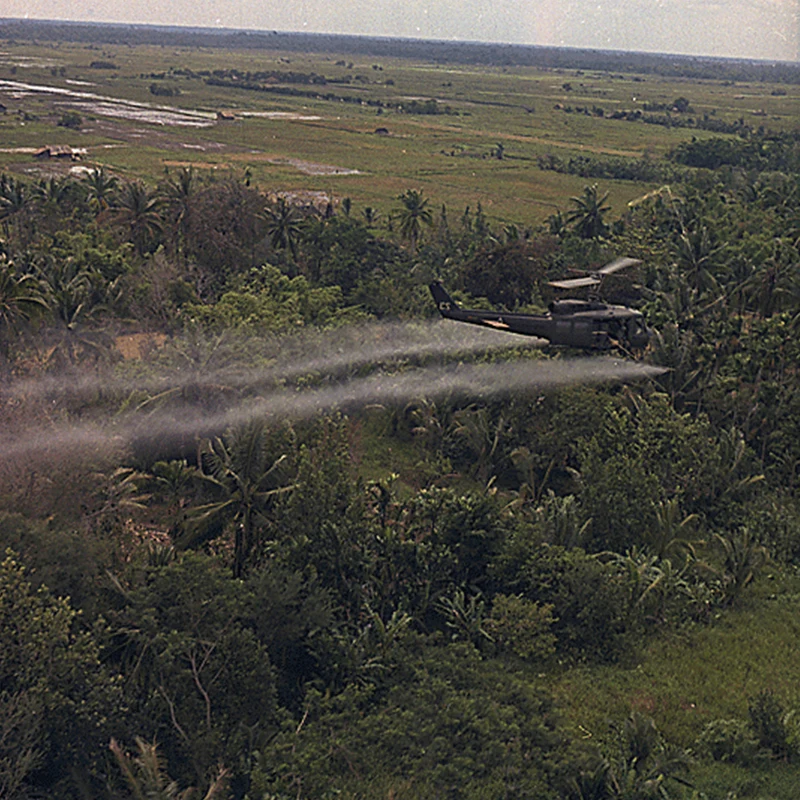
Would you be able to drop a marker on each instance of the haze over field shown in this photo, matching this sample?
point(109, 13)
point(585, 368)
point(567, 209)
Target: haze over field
point(760, 29)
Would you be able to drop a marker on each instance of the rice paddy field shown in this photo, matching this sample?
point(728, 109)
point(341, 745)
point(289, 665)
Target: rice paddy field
point(355, 126)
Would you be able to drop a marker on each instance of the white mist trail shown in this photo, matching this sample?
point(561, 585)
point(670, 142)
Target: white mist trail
point(433, 382)
point(290, 357)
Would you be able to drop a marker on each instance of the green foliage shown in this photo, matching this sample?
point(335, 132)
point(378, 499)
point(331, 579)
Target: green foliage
point(465, 616)
point(243, 483)
point(587, 216)
point(283, 225)
point(652, 448)
point(199, 680)
point(687, 499)
point(507, 273)
point(271, 301)
point(522, 627)
point(70, 563)
point(413, 214)
point(768, 723)
point(55, 694)
point(70, 119)
point(146, 776)
point(22, 299)
point(729, 740)
point(589, 600)
point(321, 525)
point(774, 152)
point(452, 726)
point(639, 766)
point(743, 557)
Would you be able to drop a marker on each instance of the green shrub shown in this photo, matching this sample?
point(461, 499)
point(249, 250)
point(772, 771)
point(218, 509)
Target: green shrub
point(768, 723)
point(728, 740)
point(70, 119)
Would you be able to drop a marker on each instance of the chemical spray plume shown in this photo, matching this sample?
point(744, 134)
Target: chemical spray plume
point(481, 381)
point(289, 357)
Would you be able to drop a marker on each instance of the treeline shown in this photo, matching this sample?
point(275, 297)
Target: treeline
point(425, 107)
point(692, 67)
point(757, 152)
point(708, 122)
point(774, 152)
point(645, 170)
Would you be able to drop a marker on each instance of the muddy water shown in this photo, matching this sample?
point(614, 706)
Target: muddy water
point(89, 102)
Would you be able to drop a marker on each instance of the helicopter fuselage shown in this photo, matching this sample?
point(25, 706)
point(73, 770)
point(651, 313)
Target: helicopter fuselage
point(588, 324)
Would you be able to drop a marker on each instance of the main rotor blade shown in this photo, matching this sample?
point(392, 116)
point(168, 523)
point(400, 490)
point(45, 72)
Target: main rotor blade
point(616, 265)
point(575, 283)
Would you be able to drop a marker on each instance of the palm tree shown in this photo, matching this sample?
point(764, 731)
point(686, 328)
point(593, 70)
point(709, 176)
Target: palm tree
point(139, 211)
point(413, 215)
point(587, 216)
point(52, 191)
point(371, 215)
point(178, 196)
point(696, 251)
point(239, 472)
point(283, 226)
point(14, 204)
point(75, 293)
point(101, 189)
point(21, 299)
point(50, 196)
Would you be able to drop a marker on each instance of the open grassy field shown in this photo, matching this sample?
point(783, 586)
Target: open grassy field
point(351, 128)
point(687, 680)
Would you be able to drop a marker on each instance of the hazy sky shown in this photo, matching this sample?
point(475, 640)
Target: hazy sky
point(766, 29)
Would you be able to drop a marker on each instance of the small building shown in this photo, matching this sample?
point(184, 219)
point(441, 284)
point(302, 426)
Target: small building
point(60, 151)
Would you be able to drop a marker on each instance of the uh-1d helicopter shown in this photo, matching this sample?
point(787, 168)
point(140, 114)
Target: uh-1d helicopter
point(590, 324)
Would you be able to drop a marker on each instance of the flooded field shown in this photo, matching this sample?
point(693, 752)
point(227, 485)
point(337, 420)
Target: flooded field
point(310, 168)
point(141, 113)
point(91, 103)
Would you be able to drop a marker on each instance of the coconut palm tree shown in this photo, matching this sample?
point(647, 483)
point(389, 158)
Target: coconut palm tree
point(586, 217)
point(21, 299)
point(101, 189)
point(50, 197)
point(414, 213)
point(179, 194)
point(74, 294)
point(283, 226)
point(139, 210)
point(15, 203)
point(238, 471)
point(371, 215)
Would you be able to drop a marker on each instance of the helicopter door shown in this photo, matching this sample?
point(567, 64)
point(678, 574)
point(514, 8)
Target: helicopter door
point(637, 333)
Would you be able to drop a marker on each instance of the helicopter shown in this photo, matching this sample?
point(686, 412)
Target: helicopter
point(589, 324)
